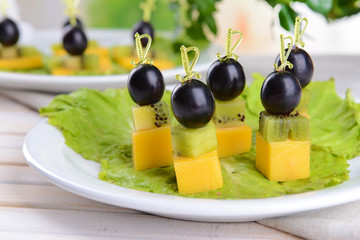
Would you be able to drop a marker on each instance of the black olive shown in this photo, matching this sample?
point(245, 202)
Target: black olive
point(143, 28)
point(303, 65)
point(75, 41)
point(79, 23)
point(226, 79)
point(280, 93)
point(146, 84)
point(9, 32)
point(192, 103)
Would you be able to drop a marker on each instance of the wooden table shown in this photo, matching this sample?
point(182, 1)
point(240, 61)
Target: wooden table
point(33, 208)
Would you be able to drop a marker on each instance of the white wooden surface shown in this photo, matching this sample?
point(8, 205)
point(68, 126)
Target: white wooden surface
point(33, 208)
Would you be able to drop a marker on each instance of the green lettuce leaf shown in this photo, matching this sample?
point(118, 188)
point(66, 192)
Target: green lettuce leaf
point(334, 121)
point(98, 125)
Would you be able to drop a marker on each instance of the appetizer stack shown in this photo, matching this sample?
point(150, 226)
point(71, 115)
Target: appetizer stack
point(226, 79)
point(13, 56)
point(196, 160)
point(152, 136)
point(123, 54)
point(283, 141)
point(74, 56)
point(303, 67)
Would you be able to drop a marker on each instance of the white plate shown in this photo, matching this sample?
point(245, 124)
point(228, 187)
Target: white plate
point(43, 40)
point(45, 150)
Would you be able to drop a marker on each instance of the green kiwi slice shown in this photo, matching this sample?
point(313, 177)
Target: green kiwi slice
point(27, 51)
point(274, 128)
point(193, 142)
point(151, 116)
point(91, 62)
point(88, 62)
point(299, 128)
point(54, 62)
point(73, 62)
point(279, 128)
point(229, 113)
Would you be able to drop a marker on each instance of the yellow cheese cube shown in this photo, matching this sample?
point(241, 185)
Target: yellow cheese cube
point(233, 140)
point(200, 174)
point(283, 161)
point(105, 64)
point(30, 62)
point(152, 148)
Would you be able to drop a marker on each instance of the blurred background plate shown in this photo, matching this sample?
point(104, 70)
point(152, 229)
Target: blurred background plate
point(43, 41)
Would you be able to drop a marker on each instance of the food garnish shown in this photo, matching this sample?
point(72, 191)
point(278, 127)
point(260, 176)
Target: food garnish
point(151, 139)
point(196, 160)
point(226, 79)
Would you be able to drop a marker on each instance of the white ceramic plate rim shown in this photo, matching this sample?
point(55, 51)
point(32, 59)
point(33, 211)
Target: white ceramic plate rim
point(212, 210)
point(60, 84)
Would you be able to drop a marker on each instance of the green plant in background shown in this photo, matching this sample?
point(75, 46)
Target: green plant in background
point(125, 13)
point(192, 20)
point(188, 19)
point(196, 18)
point(330, 9)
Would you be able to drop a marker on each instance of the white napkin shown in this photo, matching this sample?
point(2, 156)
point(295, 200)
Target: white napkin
point(341, 222)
